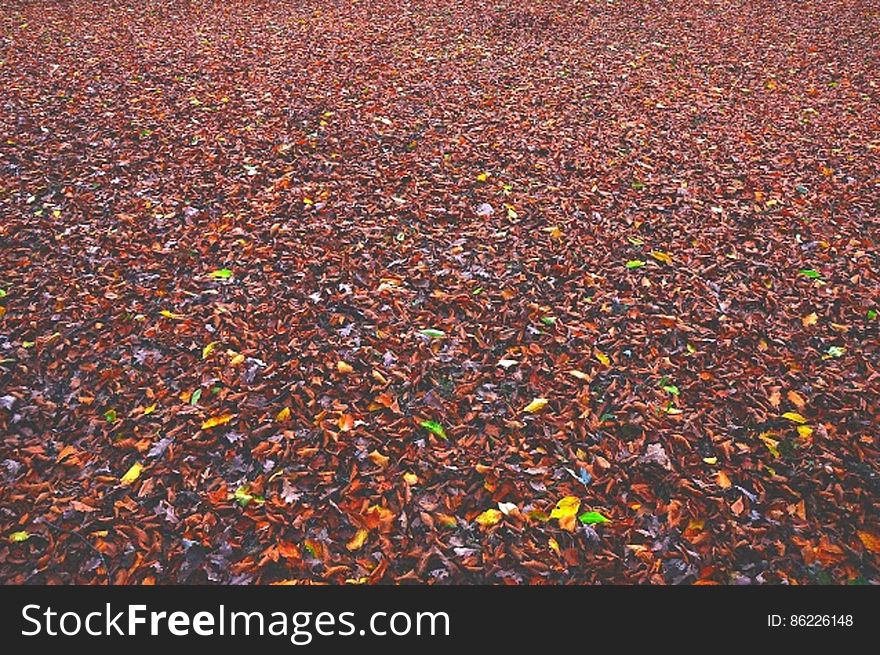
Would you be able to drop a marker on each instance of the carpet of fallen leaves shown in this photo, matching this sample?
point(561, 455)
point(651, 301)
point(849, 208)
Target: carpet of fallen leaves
point(440, 291)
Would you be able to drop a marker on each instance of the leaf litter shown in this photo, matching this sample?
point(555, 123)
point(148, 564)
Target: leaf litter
point(552, 291)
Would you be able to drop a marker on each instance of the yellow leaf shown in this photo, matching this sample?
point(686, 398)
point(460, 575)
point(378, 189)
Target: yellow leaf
point(710, 460)
point(283, 415)
point(772, 444)
point(794, 417)
point(602, 357)
point(207, 350)
point(661, 256)
point(489, 517)
point(566, 512)
point(216, 420)
point(358, 540)
point(536, 405)
point(580, 375)
point(132, 474)
point(378, 459)
point(168, 314)
point(411, 478)
point(236, 360)
point(805, 431)
point(20, 536)
point(810, 319)
point(482, 177)
point(554, 545)
point(344, 367)
point(149, 410)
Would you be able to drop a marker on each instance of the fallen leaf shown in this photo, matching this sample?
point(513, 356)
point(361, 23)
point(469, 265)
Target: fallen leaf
point(489, 517)
point(536, 405)
point(592, 518)
point(434, 428)
point(794, 417)
point(566, 511)
point(357, 542)
point(214, 421)
point(132, 474)
point(870, 540)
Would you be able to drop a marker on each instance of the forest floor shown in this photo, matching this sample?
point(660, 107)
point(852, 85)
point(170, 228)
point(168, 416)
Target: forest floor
point(512, 291)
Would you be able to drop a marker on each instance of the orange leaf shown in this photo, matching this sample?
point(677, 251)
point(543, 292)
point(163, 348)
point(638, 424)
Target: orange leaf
point(345, 422)
point(871, 541)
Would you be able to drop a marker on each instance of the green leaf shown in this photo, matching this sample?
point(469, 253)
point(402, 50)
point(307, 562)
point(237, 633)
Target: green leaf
point(2, 293)
point(18, 537)
point(635, 263)
point(434, 428)
point(592, 518)
point(638, 185)
point(434, 334)
point(811, 273)
point(548, 320)
point(872, 314)
point(835, 351)
point(110, 415)
point(245, 498)
point(221, 274)
point(194, 399)
point(671, 389)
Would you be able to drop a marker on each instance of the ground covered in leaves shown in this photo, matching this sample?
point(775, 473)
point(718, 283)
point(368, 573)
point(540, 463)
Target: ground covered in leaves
point(439, 291)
